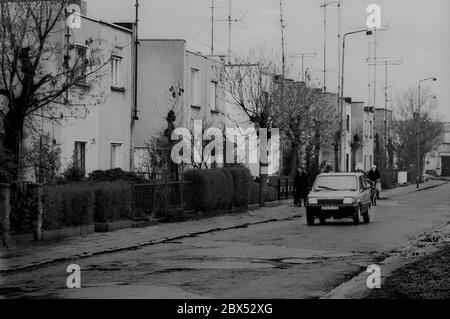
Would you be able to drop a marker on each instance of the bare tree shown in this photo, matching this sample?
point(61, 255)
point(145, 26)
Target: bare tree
point(307, 124)
point(40, 70)
point(252, 87)
point(415, 121)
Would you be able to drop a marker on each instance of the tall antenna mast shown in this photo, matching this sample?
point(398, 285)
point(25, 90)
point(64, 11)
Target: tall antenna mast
point(386, 62)
point(303, 55)
point(283, 64)
point(324, 46)
point(230, 21)
point(136, 47)
point(324, 6)
point(229, 31)
point(212, 27)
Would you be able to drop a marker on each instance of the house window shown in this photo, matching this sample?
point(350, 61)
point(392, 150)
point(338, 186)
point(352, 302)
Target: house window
point(115, 155)
point(213, 97)
point(370, 160)
point(348, 123)
point(365, 162)
point(370, 129)
point(81, 63)
point(116, 64)
point(80, 155)
point(195, 77)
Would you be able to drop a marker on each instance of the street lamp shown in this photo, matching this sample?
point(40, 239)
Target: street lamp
point(341, 106)
point(418, 130)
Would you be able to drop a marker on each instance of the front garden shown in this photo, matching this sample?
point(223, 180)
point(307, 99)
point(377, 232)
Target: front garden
point(115, 197)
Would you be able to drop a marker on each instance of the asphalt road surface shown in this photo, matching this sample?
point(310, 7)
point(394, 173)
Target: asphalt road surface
point(284, 259)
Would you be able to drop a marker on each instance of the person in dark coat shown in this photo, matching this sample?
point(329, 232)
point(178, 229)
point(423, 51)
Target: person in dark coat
point(300, 187)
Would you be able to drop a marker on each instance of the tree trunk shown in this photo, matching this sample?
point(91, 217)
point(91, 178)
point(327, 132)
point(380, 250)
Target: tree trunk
point(13, 125)
point(294, 160)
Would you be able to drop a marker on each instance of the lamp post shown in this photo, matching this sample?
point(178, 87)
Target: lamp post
point(419, 104)
point(341, 95)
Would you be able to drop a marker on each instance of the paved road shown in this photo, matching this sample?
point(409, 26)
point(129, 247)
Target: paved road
point(284, 259)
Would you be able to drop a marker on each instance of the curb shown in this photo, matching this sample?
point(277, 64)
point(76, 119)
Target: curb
point(356, 288)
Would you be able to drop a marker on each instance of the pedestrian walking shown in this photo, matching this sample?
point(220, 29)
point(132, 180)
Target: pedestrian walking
point(300, 187)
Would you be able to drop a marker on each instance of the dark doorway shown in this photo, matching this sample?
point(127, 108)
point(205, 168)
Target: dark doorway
point(445, 160)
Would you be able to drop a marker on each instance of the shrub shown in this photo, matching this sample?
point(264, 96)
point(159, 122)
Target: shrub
point(113, 175)
point(23, 208)
point(72, 173)
point(241, 184)
point(222, 188)
point(201, 187)
point(253, 193)
point(229, 189)
point(112, 201)
point(212, 188)
point(67, 206)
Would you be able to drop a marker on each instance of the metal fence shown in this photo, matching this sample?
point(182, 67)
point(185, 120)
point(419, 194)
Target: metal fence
point(161, 199)
point(285, 187)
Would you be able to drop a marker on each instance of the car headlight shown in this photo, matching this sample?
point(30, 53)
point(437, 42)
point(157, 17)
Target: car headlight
point(349, 200)
point(312, 200)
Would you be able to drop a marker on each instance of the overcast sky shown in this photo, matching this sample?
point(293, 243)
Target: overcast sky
point(418, 34)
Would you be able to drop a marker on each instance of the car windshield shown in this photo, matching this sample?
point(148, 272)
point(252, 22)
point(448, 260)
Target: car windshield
point(335, 183)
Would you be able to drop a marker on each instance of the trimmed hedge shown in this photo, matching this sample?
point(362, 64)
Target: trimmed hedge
point(270, 193)
point(241, 182)
point(80, 204)
point(202, 189)
point(115, 174)
point(229, 190)
point(213, 188)
point(67, 206)
point(112, 201)
point(253, 193)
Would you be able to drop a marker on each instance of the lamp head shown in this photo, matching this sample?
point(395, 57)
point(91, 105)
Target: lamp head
point(369, 32)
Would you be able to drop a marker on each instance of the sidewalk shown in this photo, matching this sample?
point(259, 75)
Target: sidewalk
point(25, 257)
point(411, 188)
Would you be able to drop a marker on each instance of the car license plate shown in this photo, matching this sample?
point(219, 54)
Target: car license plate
point(330, 207)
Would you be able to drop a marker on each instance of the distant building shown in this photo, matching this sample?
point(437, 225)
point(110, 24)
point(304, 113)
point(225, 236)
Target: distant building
point(363, 128)
point(439, 160)
point(166, 65)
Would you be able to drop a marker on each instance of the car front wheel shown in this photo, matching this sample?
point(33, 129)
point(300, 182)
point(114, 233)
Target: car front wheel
point(366, 216)
point(357, 216)
point(310, 219)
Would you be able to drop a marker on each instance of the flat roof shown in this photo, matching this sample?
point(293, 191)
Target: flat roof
point(112, 25)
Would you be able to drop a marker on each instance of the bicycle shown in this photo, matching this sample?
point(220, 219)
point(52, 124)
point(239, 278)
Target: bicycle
point(373, 192)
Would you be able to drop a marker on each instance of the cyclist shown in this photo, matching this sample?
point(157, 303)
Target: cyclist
point(374, 177)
